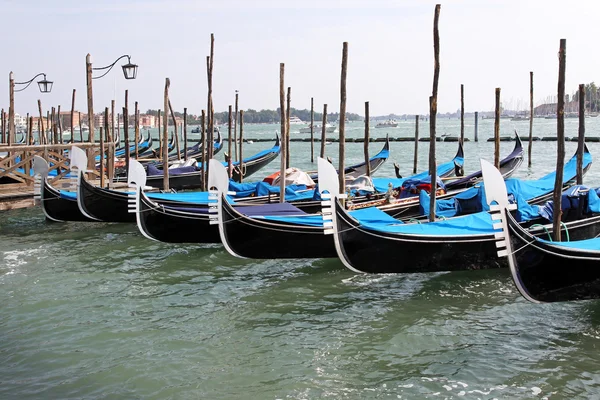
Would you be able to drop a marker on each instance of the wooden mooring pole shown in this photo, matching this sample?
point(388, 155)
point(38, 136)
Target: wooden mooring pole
point(530, 119)
point(235, 125)
point(126, 131)
point(73, 117)
point(3, 127)
point(476, 133)
point(136, 125)
point(342, 117)
point(433, 112)
point(42, 134)
point(283, 152)
point(90, 106)
point(462, 114)
point(110, 151)
point(241, 165)
point(312, 128)
point(288, 111)
point(581, 134)
point(229, 140)
point(497, 130)
point(323, 130)
point(366, 147)
point(560, 136)
point(165, 149)
point(204, 151)
point(185, 141)
point(416, 157)
point(101, 157)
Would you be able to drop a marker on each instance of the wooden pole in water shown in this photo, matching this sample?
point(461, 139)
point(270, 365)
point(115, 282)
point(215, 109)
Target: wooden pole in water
point(312, 137)
point(433, 112)
point(80, 126)
point(185, 141)
point(112, 121)
point(176, 134)
point(462, 113)
point(160, 141)
point(2, 127)
point(204, 151)
point(101, 157)
point(497, 131)
point(366, 147)
point(11, 109)
point(210, 109)
point(476, 126)
point(581, 134)
point(416, 156)
point(54, 126)
point(235, 125)
point(136, 125)
point(560, 133)
point(242, 168)
point(42, 133)
point(287, 127)
point(90, 104)
point(165, 153)
point(110, 151)
point(30, 131)
point(50, 126)
point(60, 127)
point(229, 139)
point(322, 155)
point(73, 117)
point(342, 141)
point(283, 133)
point(126, 131)
point(530, 118)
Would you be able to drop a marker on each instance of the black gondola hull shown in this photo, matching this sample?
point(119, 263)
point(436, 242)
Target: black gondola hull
point(548, 273)
point(102, 204)
point(57, 208)
point(254, 238)
point(369, 251)
point(172, 225)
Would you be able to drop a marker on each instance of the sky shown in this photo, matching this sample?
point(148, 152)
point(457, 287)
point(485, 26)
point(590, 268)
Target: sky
point(484, 44)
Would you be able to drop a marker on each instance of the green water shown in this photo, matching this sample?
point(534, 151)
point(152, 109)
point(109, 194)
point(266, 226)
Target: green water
point(96, 311)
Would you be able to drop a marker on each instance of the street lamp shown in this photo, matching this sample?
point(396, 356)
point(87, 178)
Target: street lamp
point(129, 69)
point(44, 85)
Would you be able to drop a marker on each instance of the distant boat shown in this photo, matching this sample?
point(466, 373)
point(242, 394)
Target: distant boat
point(296, 121)
point(520, 118)
point(318, 128)
point(390, 123)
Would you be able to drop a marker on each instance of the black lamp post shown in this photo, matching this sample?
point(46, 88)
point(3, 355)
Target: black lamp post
point(129, 71)
point(44, 85)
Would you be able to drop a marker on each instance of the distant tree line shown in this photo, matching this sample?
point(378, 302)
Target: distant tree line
point(591, 97)
point(262, 116)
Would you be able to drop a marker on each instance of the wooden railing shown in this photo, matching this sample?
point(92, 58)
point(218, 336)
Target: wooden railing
point(17, 164)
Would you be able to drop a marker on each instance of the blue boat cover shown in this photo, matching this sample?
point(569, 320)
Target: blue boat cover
point(473, 199)
point(381, 184)
point(586, 244)
point(370, 214)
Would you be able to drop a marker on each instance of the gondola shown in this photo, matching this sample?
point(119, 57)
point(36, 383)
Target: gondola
point(375, 245)
point(184, 221)
point(243, 236)
point(195, 151)
point(508, 166)
point(356, 170)
point(191, 177)
point(111, 205)
point(543, 270)
point(58, 206)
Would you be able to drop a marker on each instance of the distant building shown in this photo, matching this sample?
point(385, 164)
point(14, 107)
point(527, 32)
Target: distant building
point(148, 121)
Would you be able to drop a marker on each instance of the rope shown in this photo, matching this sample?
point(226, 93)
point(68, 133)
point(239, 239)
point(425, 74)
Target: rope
point(546, 229)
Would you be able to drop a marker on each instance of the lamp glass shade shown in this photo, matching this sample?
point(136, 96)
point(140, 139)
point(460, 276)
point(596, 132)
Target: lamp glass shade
point(130, 70)
point(45, 85)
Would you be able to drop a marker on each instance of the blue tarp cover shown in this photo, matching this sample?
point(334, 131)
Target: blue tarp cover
point(587, 244)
